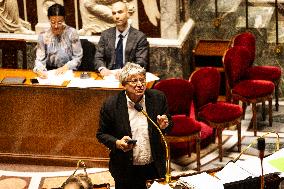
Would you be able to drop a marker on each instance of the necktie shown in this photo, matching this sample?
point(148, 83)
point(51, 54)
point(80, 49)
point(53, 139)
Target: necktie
point(119, 53)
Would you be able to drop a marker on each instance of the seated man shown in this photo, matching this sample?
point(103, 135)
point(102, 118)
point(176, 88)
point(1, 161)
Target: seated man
point(120, 44)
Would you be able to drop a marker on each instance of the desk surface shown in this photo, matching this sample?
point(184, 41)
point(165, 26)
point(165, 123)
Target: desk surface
point(29, 74)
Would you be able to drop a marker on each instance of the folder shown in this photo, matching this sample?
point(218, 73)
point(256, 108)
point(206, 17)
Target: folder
point(13, 80)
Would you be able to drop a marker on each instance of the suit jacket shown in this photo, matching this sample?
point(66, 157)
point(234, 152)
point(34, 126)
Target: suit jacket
point(136, 49)
point(114, 124)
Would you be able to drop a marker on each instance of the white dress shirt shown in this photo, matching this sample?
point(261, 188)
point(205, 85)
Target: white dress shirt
point(139, 129)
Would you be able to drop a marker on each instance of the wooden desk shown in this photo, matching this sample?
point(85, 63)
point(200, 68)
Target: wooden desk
point(210, 53)
point(50, 125)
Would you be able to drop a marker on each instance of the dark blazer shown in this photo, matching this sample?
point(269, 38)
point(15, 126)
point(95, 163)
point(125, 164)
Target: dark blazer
point(137, 48)
point(114, 124)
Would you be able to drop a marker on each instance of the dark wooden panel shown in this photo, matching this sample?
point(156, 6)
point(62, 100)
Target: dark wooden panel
point(54, 123)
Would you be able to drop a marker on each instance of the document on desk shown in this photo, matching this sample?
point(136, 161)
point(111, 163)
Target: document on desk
point(107, 81)
point(253, 166)
point(89, 83)
point(276, 161)
point(149, 77)
point(200, 181)
point(232, 172)
point(157, 185)
point(54, 79)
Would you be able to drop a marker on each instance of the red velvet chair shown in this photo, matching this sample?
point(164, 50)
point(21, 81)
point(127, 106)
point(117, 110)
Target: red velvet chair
point(270, 73)
point(179, 95)
point(250, 91)
point(218, 114)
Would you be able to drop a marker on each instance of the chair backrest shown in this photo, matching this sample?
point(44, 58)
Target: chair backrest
point(89, 50)
point(246, 39)
point(236, 62)
point(10, 49)
point(206, 85)
point(179, 95)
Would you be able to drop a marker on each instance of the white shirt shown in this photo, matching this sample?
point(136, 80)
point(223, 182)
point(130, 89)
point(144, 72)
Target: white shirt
point(125, 36)
point(139, 129)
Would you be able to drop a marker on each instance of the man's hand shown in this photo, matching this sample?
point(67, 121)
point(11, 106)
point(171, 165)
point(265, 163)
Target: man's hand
point(105, 72)
point(163, 121)
point(122, 144)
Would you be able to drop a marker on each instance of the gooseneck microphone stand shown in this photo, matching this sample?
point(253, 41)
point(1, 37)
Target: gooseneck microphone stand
point(139, 108)
point(261, 148)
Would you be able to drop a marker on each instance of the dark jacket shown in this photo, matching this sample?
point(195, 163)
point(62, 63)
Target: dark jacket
point(114, 124)
point(136, 51)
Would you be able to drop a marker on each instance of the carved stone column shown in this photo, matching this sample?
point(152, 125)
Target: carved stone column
point(169, 19)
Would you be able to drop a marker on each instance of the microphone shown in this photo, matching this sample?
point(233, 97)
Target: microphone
point(261, 148)
point(139, 108)
point(277, 144)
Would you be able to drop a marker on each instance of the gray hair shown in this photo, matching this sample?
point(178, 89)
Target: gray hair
point(130, 69)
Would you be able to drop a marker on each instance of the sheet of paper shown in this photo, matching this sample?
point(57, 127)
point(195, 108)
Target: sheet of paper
point(54, 79)
point(278, 163)
point(275, 161)
point(253, 166)
point(149, 77)
point(201, 181)
point(232, 172)
point(157, 185)
point(88, 83)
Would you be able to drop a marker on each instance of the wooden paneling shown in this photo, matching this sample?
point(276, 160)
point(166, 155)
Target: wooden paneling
point(48, 125)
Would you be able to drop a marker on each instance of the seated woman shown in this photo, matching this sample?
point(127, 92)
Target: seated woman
point(59, 47)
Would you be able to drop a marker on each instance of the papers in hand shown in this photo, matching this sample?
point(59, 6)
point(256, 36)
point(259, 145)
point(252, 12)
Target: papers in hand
point(55, 79)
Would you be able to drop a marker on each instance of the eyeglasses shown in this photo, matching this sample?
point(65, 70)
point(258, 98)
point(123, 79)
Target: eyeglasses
point(135, 81)
point(60, 23)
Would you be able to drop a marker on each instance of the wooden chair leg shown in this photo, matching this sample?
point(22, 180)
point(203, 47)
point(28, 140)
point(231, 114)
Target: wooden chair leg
point(239, 137)
point(188, 149)
point(254, 118)
point(270, 112)
point(263, 111)
point(219, 131)
point(197, 141)
point(276, 90)
point(244, 106)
